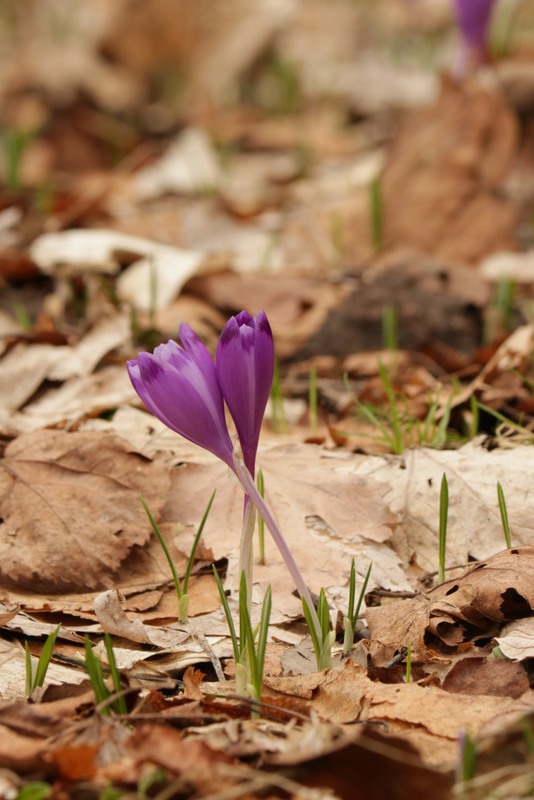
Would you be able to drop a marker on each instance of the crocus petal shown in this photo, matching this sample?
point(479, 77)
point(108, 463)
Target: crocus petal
point(179, 386)
point(245, 367)
point(473, 20)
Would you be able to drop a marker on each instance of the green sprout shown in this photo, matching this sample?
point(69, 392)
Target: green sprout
point(312, 401)
point(443, 516)
point(397, 428)
point(35, 679)
point(249, 657)
point(468, 757)
point(181, 590)
point(323, 646)
point(500, 310)
point(377, 211)
point(350, 621)
point(96, 677)
point(390, 328)
point(504, 515)
point(261, 524)
point(14, 144)
point(35, 790)
point(279, 422)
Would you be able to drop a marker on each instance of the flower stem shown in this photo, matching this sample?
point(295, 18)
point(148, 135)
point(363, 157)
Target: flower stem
point(247, 482)
point(245, 554)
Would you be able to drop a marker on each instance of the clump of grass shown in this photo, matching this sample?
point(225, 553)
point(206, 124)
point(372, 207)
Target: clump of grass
point(396, 427)
point(249, 656)
point(353, 612)
point(322, 646)
point(181, 589)
point(96, 677)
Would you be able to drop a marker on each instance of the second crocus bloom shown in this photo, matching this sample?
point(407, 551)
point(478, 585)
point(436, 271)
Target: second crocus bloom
point(245, 368)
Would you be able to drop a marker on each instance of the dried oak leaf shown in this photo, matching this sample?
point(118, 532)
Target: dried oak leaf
point(70, 509)
point(496, 590)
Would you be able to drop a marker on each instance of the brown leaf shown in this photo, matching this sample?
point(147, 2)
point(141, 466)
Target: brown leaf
point(71, 509)
point(446, 165)
point(75, 762)
point(426, 716)
point(493, 676)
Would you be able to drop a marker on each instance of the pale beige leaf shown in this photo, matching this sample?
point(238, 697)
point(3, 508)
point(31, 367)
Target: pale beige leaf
point(517, 639)
point(300, 484)
point(114, 620)
point(474, 523)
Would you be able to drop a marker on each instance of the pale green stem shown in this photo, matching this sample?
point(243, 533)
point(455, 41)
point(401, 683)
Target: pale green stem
point(247, 482)
point(245, 554)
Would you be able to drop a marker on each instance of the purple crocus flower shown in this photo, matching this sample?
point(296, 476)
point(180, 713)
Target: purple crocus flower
point(245, 368)
point(183, 388)
point(179, 386)
point(474, 18)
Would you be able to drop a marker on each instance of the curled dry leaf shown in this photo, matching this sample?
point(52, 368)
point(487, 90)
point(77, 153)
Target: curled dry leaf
point(71, 509)
point(491, 592)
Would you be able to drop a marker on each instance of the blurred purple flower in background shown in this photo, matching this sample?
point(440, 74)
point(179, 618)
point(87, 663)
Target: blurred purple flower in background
point(474, 17)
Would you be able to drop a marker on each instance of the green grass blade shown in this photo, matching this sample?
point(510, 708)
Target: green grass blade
point(44, 658)
point(361, 596)
point(119, 705)
point(262, 639)
point(352, 590)
point(323, 612)
point(504, 515)
point(196, 541)
point(29, 670)
point(375, 196)
point(228, 615)
point(164, 548)
point(390, 326)
point(246, 635)
point(94, 670)
point(443, 515)
point(315, 639)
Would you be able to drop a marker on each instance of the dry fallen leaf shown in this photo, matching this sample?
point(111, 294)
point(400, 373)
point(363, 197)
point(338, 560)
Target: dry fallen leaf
point(71, 509)
point(474, 529)
point(517, 639)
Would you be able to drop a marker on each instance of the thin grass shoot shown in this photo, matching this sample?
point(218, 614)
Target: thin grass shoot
point(353, 611)
point(504, 515)
point(443, 518)
point(181, 590)
point(37, 678)
point(322, 646)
